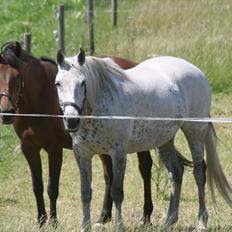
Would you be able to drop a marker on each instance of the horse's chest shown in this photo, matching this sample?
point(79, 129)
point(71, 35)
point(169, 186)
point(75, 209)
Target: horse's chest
point(93, 139)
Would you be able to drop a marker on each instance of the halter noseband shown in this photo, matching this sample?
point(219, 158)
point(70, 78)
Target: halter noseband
point(6, 94)
point(68, 103)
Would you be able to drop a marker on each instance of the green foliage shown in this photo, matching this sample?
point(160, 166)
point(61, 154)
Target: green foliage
point(160, 178)
point(198, 31)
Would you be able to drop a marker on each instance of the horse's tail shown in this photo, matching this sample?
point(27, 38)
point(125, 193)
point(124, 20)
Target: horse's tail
point(215, 174)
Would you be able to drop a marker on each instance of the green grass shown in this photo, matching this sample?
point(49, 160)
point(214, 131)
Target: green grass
point(199, 31)
point(17, 205)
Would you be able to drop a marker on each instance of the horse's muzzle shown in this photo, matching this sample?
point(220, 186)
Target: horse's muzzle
point(72, 124)
point(7, 119)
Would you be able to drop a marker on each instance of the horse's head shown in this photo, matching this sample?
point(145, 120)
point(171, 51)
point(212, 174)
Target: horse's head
point(11, 82)
point(10, 86)
point(71, 87)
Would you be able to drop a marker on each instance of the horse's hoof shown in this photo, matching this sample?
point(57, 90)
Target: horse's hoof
point(104, 218)
point(200, 226)
point(42, 220)
point(98, 226)
point(119, 226)
point(86, 227)
point(146, 221)
point(53, 222)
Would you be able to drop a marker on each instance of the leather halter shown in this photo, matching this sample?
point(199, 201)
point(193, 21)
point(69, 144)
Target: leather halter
point(6, 94)
point(68, 103)
point(74, 105)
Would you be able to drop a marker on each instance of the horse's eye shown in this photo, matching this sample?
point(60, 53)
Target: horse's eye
point(57, 84)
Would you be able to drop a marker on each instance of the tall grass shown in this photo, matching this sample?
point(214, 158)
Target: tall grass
point(199, 31)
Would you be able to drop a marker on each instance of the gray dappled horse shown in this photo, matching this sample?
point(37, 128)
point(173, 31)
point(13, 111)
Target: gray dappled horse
point(159, 87)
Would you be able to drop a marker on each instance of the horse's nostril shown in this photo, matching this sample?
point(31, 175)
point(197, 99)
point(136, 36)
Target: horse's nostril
point(8, 111)
point(7, 115)
point(72, 123)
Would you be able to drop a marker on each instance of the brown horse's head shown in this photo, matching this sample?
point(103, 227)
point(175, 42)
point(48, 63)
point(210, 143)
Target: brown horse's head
point(10, 83)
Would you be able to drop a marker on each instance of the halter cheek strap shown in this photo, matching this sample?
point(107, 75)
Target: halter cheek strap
point(74, 105)
point(68, 103)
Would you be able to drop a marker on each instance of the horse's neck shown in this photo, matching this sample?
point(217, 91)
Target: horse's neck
point(37, 90)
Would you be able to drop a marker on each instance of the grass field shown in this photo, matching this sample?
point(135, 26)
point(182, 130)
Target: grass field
point(199, 31)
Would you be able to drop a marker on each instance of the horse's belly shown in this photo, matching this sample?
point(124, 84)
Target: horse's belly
point(147, 135)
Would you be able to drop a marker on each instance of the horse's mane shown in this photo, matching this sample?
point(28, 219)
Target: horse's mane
point(102, 74)
point(46, 59)
point(24, 55)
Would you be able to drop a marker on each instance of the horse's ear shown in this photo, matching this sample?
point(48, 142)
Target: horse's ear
point(12, 58)
point(18, 49)
point(60, 57)
point(81, 57)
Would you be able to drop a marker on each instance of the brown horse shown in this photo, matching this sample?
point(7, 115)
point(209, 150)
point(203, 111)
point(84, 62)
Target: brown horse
point(27, 87)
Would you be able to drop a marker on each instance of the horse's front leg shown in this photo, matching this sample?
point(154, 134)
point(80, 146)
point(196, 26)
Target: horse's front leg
point(32, 156)
point(119, 167)
point(108, 176)
point(55, 155)
point(84, 161)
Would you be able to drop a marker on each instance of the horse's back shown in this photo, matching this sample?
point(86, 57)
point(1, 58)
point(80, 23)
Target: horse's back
point(173, 79)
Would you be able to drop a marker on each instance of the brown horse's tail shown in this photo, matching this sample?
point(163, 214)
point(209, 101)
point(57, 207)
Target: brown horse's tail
point(184, 160)
point(215, 174)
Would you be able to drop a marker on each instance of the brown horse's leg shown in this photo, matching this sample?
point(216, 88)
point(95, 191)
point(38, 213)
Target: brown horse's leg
point(145, 165)
point(32, 156)
point(106, 212)
point(55, 161)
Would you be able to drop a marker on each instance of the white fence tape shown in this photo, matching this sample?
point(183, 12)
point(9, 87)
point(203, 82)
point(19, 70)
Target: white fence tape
point(218, 120)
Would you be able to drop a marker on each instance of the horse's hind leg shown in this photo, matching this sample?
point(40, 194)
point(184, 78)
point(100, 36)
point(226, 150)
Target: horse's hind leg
point(106, 212)
point(175, 167)
point(145, 165)
point(195, 135)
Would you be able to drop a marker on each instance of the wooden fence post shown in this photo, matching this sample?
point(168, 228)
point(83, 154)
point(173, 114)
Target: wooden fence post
point(114, 12)
point(27, 42)
point(60, 17)
point(90, 26)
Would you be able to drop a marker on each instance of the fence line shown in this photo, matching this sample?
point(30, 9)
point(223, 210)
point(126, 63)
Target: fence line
point(90, 19)
point(137, 118)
